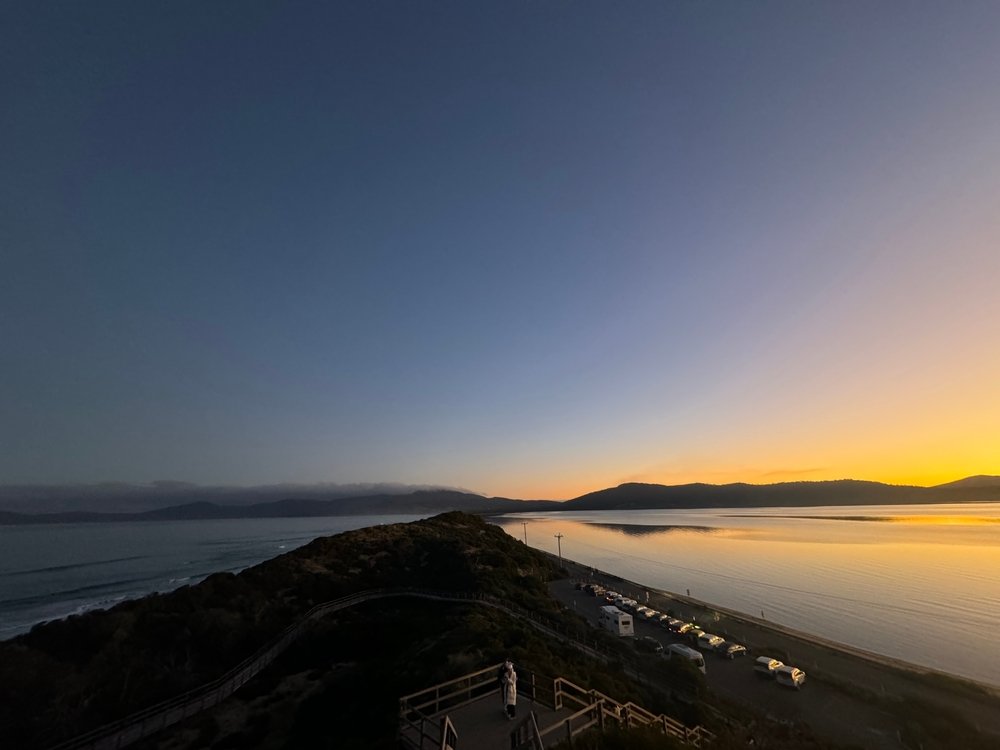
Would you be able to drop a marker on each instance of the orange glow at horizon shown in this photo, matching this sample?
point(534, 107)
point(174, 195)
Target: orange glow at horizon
point(559, 489)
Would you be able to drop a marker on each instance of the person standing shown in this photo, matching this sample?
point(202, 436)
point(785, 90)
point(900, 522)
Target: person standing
point(506, 667)
point(510, 693)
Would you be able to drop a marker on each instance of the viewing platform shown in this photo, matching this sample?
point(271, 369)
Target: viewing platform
point(467, 713)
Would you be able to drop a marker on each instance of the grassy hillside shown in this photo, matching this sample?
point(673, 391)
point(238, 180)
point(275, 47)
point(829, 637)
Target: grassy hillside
point(67, 677)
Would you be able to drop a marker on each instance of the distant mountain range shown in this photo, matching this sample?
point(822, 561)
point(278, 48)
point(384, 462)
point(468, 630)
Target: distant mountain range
point(630, 496)
point(421, 502)
point(784, 494)
point(132, 497)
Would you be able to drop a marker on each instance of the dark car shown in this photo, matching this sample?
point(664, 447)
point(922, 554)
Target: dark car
point(729, 650)
point(649, 644)
point(693, 635)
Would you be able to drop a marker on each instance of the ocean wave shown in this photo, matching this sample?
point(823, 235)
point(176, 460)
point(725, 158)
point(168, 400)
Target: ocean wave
point(71, 566)
point(74, 593)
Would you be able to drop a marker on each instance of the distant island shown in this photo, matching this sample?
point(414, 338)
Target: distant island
point(630, 496)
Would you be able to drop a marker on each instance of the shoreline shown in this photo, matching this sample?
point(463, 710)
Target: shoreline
point(821, 641)
point(916, 595)
point(851, 670)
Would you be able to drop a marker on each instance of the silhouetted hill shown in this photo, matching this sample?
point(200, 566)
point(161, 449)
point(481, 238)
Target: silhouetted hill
point(786, 494)
point(422, 502)
point(980, 480)
point(630, 496)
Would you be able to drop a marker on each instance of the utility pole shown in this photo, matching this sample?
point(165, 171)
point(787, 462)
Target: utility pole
point(559, 542)
point(525, 525)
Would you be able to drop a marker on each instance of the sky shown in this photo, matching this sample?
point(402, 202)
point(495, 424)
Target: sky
point(530, 249)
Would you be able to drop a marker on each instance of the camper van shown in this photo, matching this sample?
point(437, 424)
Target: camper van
point(618, 622)
point(678, 651)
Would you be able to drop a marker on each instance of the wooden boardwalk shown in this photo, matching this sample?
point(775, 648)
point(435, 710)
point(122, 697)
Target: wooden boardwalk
point(466, 712)
point(483, 723)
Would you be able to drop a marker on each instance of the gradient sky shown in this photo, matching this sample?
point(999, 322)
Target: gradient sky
point(527, 248)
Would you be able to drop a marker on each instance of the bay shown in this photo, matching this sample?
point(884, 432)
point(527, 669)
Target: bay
point(918, 583)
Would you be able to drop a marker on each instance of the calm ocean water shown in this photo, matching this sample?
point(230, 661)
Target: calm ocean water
point(919, 583)
point(49, 572)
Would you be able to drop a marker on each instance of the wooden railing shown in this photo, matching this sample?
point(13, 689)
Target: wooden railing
point(121, 733)
point(423, 714)
point(419, 724)
point(125, 731)
point(449, 737)
point(526, 735)
point(597, 709)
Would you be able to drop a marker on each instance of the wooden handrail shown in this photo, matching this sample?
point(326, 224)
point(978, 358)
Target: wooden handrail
point(123, 732)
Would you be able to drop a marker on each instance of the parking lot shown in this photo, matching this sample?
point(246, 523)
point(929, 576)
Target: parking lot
point(831, 712)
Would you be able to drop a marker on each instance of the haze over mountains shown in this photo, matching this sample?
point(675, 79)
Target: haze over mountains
point(129, 497)
point(336, 500)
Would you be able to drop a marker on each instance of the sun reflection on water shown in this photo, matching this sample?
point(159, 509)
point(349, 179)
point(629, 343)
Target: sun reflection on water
point(895, 580)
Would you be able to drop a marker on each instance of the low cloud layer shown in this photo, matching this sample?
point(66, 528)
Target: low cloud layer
point(112, 497)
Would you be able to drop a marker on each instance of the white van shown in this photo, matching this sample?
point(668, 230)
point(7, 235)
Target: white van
point(678, 651)
point(789, 676)
point(618, 622)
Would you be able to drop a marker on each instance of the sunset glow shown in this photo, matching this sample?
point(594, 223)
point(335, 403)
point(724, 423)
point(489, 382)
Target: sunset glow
point(528, 250)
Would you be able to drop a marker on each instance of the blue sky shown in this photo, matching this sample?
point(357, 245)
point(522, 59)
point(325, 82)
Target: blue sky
point(526, 248)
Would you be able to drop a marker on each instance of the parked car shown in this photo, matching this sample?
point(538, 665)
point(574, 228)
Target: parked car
point(789, 676)
point(708, 641)
point(662, 620)
point(610, 596)
point(730, 650)
point(683, 628)
point(649, 644)
point(651, 614)
point(765, 666)
point(674, 625)
point(694, 634)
